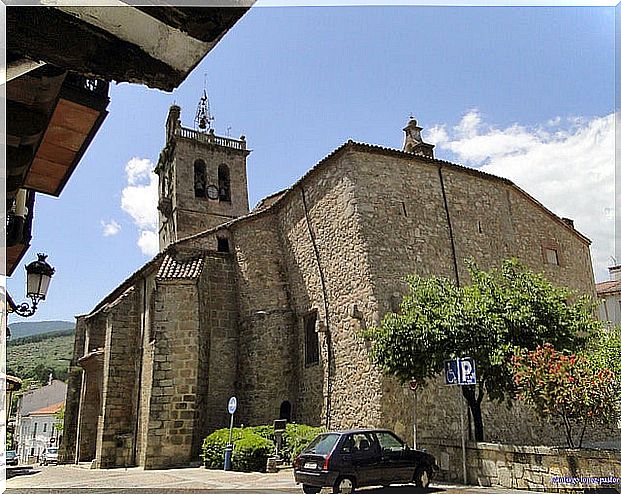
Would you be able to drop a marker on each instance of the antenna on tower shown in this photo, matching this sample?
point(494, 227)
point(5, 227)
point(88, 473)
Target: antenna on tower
point(203, 118)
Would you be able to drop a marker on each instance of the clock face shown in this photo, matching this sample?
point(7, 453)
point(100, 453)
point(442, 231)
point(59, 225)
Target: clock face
point(212, 192)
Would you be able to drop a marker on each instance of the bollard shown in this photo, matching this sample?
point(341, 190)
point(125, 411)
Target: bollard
point(228, 454)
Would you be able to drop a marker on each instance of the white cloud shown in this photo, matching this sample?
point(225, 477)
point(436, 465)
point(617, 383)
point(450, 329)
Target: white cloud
point(149, 242)
point(111, 228)
point(139, 200)
point(138, 169)
point(469, 124)
point(567, 164)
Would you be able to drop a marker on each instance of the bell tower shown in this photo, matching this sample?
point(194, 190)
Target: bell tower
point(202, 177)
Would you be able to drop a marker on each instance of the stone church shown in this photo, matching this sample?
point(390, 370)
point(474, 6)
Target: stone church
point(267, 305)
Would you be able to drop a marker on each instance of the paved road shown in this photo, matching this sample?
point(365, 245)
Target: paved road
point(74, 479)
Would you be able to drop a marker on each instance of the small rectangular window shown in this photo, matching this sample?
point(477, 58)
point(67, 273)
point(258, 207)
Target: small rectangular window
point(312, 338)
point(223, 244)
point(45, 427)
point(551, 256)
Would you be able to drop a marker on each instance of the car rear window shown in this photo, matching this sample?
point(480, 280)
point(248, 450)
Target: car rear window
point(52, 450)
point(322, 444)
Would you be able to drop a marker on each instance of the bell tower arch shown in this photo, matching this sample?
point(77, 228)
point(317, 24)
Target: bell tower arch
point(202, 178)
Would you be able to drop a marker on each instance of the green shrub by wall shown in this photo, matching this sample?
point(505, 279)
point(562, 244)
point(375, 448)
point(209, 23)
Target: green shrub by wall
point(251, 452)
point(296, 438)
point(253, 446)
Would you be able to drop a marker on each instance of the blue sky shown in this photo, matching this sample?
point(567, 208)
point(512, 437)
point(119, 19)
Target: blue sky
point(526, 93)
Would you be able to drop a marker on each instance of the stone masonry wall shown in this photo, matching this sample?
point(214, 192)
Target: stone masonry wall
point(145, 372)
point(405, 224)
point(92, 387)
point(72, 401)
point(172, 422)
point(320, 232)
point(116, 433)
point(265, 375)
point(218, 342)
point(536, 468)
point(192, 214)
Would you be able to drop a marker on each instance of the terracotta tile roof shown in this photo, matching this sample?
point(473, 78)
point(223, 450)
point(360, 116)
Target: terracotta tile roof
point(608, 287)
point(48, 410)
point(180, 269)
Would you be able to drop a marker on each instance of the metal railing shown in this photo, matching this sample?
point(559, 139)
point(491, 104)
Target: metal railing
point(211, 138)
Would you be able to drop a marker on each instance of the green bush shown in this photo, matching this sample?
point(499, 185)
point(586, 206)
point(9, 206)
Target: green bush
point(214, 444)
point(296, 438)
point(253, 445)
point(251, 452)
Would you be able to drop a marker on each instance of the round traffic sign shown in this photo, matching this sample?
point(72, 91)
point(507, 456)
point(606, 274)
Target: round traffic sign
point(413, 384)
point(232, 405)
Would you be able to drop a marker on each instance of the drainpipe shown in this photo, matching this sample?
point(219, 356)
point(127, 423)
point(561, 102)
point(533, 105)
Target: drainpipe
point(450, 226)
point(325, 306)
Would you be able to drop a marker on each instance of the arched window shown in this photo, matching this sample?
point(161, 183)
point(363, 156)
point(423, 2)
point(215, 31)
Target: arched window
point(224, 183)
point(285, 411)
point(199, 178)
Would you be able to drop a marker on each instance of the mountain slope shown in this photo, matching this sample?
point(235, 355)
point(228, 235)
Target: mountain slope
point(23, 329)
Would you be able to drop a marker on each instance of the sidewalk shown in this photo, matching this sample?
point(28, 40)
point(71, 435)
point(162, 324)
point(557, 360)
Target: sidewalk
point(78, 479)
point(74, 476)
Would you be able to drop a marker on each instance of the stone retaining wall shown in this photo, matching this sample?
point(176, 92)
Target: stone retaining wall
point(525, 467)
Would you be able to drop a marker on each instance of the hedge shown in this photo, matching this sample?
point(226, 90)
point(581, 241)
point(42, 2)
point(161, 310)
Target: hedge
point(254, 445)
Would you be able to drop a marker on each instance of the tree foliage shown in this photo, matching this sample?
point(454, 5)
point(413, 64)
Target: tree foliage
point(604, 350)
point(570, 388)
point(59, 419)
point(501, 311)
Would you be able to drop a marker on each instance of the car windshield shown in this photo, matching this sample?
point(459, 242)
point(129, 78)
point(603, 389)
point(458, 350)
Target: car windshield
point(322, 444)
point(10, 454)
point(52, 450)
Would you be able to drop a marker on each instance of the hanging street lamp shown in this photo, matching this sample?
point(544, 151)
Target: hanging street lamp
point(38, 276)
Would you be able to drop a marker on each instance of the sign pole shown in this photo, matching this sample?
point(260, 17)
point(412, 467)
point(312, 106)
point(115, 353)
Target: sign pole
point(231, 429)
point(463, 438)
point(415, 417)
point(461, 372)
point(228, 450)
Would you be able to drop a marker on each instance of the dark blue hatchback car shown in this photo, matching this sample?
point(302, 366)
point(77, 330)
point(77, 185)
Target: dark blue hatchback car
point(358, 458)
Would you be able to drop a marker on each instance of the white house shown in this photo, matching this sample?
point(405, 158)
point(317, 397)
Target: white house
point(34, 427)
point(609, 295)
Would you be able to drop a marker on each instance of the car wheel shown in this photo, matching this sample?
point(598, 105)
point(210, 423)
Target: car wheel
point(422, 477)
point(344, 485)
point(310, 489)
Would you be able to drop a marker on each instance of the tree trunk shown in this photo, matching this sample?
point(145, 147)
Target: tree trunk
point(474, 405)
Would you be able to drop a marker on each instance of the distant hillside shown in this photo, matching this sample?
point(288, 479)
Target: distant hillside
point(23, 329)
point(35, 357)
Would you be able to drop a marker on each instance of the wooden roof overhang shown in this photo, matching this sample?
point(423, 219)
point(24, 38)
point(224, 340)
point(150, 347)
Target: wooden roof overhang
point(52, 117)
point(151, 45)
point(79, 113)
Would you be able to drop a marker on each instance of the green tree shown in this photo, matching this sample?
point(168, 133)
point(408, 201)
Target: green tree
point(59, 419)
point(604, 350)
point(500, 311)
point(569, 388)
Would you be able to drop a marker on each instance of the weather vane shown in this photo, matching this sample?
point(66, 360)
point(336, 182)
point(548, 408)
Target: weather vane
point(203, 118)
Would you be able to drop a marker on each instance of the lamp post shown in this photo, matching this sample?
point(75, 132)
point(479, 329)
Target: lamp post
point(38, 276)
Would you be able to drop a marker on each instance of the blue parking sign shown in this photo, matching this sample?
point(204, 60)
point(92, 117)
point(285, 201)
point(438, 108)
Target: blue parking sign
point(451, 372)
point(467, 371)
point(460, 371)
